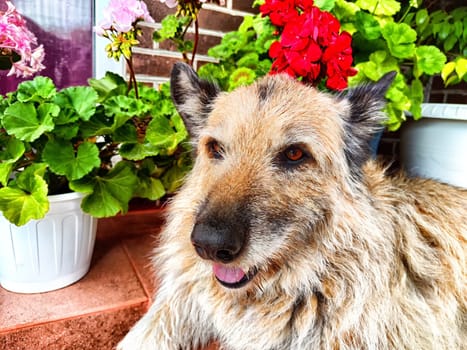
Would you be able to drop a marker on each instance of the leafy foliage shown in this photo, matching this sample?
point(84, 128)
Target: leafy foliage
point(97, 139)
point(386, 36)
point(242, 54)
point(407, 38)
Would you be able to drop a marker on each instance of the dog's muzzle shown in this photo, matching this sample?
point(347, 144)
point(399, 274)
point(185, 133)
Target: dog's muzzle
point(222, 245)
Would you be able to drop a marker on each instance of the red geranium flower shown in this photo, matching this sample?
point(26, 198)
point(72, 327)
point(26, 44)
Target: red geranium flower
point(279, 11)
point(310, 46)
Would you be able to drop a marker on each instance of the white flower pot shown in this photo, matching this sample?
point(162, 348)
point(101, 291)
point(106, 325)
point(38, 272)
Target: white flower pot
point(436, 145)
point(50, 253)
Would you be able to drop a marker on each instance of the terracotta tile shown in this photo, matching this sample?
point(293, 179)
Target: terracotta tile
point(144, 217)
point(110, 284)
point(94, 313)
point(140, 251)
point(93, 332)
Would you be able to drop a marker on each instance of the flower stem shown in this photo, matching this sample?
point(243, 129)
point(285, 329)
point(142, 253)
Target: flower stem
point(195, 46)
point(132, 81)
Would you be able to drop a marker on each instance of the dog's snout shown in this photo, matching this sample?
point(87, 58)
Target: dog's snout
point(217, 243)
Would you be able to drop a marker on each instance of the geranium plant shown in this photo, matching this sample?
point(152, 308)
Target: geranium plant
point(19, 50)
point(120, 27)
point(104, 140)
point(243, 54)
point(318, 41)
point(408, 37)
point(291, 36)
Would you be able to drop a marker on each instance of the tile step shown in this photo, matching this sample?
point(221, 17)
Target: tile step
point(97, 311)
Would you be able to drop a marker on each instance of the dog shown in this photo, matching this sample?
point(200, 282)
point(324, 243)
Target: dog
point(288, 235)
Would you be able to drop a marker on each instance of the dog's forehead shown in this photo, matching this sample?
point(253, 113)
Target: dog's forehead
point(277, 110)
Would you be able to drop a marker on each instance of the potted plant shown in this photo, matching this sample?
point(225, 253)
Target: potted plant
point(419, 42)
point(434, 146)
point(104, 143)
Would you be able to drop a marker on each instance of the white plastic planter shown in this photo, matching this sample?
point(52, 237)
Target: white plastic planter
point(436, 145)
point(50, 253)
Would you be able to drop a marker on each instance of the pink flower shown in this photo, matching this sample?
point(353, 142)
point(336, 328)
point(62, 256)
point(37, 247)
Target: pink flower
point(121, 16)
point(18, 41)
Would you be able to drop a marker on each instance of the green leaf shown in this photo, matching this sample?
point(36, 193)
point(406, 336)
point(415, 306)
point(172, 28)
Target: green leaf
point(66, 132)
point(5, 171)
point(416, 98)
point(444, 30)
point(447, 70)
point(400, 39)
point(247, 24)
point(169, 27)
point(138, 151)
point(111, 84)
point(324, 5)
point(150, 188)
point(166, 133)
point(380, 7)
point(108, 195)
point(28, 123)
point(125, 133)
point(458, 29)
point(28, 199)
point(461, 66)
point(421, 17)
point(241, 76)
point(429, 60)
point(63, 160)
point(124, 108)
point(367, 25)
point(37, 90)
point(231, 44)
point(380, 63)
point(450, 42)
point(173, 178)
point(455, 71)
point(249, 60)
point(345, 9)
point(397, 94)
point(81, 100)
point(12, 149)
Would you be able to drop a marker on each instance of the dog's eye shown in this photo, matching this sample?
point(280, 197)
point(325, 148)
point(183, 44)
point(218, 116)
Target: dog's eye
point(293, 155)
point(215, 150)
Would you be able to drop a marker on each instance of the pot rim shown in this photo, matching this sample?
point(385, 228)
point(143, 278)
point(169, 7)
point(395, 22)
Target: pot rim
point(457, 111)
point(65, 196)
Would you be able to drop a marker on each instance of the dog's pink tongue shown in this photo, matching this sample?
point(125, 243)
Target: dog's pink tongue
point(228, 274)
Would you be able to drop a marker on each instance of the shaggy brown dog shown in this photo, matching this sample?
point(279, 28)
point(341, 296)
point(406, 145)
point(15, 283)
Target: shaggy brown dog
point(286, 235)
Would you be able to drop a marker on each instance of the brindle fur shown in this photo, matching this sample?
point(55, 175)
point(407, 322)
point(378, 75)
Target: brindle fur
point(347, 256)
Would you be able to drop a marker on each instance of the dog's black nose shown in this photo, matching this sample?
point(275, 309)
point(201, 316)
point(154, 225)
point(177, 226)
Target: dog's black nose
point(215, 243)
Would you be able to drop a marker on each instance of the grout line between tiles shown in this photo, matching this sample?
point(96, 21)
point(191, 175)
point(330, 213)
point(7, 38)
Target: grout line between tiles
point(140, 277)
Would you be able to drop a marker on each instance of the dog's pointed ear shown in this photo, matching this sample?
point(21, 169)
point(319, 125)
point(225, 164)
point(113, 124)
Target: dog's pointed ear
point(192, 96)
point(366, 118)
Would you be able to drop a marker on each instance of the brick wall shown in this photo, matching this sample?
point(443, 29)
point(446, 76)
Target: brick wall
point(153, 61)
